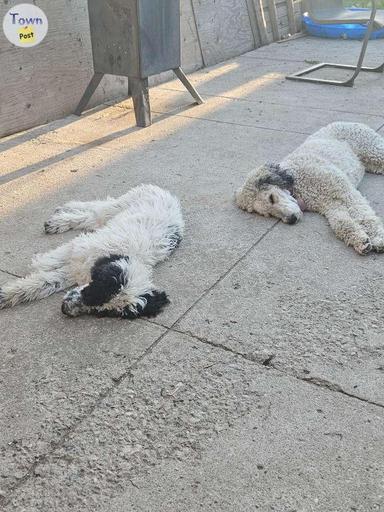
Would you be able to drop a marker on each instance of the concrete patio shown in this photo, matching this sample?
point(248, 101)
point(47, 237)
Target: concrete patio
point(261, 386)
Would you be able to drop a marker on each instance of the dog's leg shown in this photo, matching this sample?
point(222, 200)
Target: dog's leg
point(361, 212)
point(37, 285)
point(54, 259)
point(51, 274)
point(347, 229)
point(364, 141)
point(371, 151)
point(87, 216)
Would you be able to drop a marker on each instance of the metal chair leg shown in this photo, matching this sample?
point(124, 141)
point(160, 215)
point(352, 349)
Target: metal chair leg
point(92, 86)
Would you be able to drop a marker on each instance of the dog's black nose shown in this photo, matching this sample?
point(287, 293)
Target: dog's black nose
point(292, 219)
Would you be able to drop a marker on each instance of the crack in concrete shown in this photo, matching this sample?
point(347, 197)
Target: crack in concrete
point(315, 381)
point(267, 363)
point(4, 500)
point(128, 373)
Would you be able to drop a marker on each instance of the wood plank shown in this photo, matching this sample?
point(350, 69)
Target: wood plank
point(261, 22)
point(191, 55)
point(253, 22)
point(61, 67)
point(224, 29)
point(273, 18)
point(291, 17)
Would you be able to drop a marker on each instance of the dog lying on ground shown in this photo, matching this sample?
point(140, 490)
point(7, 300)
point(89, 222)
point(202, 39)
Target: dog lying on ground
point(322, 175)
point(111, 265)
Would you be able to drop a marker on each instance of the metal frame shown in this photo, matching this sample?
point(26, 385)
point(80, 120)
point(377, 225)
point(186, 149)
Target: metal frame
point(301, 75)
point(139, 91)
point(136, 39)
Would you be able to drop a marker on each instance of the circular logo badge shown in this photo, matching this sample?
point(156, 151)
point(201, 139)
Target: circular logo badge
point(25, 25)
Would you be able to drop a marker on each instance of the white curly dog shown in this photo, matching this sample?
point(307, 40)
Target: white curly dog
point(111, 266)
point(322, 175)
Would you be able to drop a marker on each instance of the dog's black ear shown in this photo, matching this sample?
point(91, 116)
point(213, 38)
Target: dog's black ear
point(155, 303)
point(107, 280)
point(103, 263)
point(275, 175)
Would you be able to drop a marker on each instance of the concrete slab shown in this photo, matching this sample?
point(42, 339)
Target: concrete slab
point(262, 80)
point(197, 428)
point(287, 118)
point(310, 50)
point(52, 373)
point(307, 301)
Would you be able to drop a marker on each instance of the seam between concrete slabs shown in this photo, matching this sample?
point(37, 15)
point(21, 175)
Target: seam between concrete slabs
point(260, 102)
point(76, 151)
point(322, 383)
point(230, 123)
point(267, 363)
point(21, 173)
point(88, 412)
point(116, 382)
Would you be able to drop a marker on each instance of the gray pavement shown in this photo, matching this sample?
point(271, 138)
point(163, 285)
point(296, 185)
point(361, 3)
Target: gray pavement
point(261, 386)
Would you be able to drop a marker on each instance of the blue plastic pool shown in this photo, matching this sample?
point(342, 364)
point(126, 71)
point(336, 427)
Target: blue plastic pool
point(352, 31)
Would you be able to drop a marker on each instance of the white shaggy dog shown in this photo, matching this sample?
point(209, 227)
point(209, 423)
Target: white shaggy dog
point(111, 266)
point(322, 175)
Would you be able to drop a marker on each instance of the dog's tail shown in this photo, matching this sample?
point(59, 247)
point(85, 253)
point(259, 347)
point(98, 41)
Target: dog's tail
point(37, 285)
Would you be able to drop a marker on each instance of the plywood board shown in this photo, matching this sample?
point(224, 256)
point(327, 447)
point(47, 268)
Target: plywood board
point(46, 82)
point(224, 29)
point(191, 57)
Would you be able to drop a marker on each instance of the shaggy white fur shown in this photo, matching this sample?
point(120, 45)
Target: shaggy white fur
point(322, 175)
point(113, 264)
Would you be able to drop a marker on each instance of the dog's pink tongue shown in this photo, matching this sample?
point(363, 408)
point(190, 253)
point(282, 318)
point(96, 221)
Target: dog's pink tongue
point(301, 204)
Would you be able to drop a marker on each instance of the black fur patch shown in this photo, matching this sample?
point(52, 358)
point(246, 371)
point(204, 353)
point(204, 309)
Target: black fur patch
point(155, 304)
point(278, 176)
point(106, 281)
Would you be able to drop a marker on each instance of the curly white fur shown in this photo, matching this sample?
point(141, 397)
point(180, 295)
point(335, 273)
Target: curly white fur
point(324, 173)
point(144, 226)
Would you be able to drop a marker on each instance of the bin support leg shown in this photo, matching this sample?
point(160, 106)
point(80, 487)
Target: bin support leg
point(96, 79)
point(140, 97)
point(129, 88)
point(187, 84)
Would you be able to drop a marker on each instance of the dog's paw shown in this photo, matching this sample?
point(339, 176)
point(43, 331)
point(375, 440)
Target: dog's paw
point(72, 305)
point(155, 304)
point(378, 244)
point(2, 300)
point(50, 228)
point(364, 248)
point(56, 224)
point(4, 303)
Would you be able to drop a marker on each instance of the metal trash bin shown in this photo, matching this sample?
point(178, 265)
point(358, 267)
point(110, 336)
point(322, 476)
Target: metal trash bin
point(137, 39)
